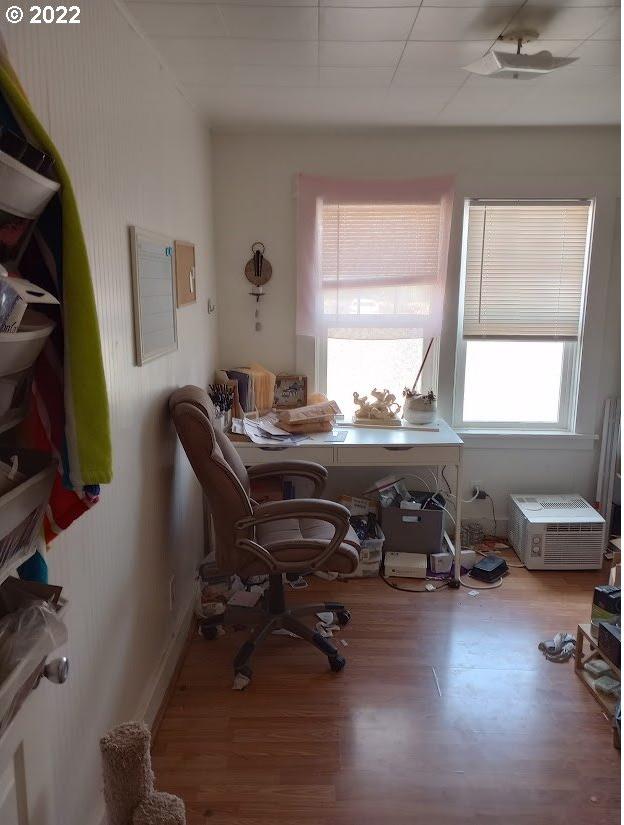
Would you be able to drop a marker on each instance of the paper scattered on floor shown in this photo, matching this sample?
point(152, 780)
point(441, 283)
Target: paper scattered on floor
point(328, 577)
point(344, 642)
point(298, 584)
point(430, 587)
point(323, 630)
point(240, 682)
point(473, 592)
point(246, 598)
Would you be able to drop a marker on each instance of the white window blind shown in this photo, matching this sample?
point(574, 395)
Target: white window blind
point(380, 267)
point(525, 269)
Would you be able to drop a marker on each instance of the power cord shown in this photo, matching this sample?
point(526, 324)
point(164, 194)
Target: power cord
point(414, 590)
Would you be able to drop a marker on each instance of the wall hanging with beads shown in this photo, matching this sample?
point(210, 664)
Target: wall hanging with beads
point(258, 271)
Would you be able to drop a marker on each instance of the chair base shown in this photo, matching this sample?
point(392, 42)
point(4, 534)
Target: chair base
point(273, 614)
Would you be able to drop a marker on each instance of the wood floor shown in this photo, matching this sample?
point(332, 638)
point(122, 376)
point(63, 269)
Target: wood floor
point(445, 713)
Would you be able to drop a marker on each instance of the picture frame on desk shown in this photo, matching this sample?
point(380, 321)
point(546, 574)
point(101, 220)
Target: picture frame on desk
point(291, 391)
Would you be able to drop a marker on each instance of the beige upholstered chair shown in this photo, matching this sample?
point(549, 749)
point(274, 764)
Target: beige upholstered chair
point(296, 536)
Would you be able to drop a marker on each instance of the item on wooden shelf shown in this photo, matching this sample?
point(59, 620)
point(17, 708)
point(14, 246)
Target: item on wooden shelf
point(291, 391)
point(129, 780)
point(609, 641)
point(606, 604)
point(419, 409)
point(258, 271)
point(378, 411)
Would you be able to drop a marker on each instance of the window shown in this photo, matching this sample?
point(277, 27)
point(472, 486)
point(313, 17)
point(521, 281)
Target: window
point(379, 277)
point(354, 364)
point(371, 268)
point(521, 313)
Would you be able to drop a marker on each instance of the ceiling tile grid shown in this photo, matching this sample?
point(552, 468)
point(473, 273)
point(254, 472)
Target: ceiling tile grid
point(384, 62)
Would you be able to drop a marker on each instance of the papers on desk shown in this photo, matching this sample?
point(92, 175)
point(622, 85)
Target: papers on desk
point(265, 432)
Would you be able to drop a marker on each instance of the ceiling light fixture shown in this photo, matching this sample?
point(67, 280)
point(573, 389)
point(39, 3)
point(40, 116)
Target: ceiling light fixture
point(518, 66)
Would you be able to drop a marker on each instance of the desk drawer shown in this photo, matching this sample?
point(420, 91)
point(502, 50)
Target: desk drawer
point(260, 455)
point(373, 456)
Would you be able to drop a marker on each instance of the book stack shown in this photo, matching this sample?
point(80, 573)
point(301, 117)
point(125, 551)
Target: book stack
point(314, 418)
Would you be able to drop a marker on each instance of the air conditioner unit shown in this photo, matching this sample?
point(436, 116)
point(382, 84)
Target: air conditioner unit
point(556, 532)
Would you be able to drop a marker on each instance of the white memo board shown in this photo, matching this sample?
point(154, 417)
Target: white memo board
point(153, 290)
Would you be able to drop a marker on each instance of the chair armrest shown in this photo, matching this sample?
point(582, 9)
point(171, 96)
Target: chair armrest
point(302, 469)
point(328, 511)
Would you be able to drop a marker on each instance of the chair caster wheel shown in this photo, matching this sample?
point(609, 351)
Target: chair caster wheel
point(343, 617)
point(337, 662)
point(209, 631)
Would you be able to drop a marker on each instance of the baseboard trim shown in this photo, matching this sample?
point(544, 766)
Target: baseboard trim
point(151, 707)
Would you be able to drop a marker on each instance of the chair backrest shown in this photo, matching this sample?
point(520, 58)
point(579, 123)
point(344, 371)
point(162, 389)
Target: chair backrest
point(218, 467)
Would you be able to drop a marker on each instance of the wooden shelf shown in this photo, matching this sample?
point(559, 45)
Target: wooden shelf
point(583, 634)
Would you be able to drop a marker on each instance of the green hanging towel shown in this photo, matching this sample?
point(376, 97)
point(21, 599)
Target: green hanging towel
point(84, 443)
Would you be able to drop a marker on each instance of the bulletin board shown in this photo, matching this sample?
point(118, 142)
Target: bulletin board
point(186, 288)
point(153, 289)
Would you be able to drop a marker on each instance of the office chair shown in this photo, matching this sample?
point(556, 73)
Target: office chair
point(295, 536)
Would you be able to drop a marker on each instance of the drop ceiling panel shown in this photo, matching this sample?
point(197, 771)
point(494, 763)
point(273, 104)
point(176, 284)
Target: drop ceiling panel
point(473, 3)
point(420, 77)
point(261, 76)
point(366, 24)
point(599, 53)
point(361, 76)
point(442, 56)
point(273, 22)
point(483, 23)
point(374, 55)
point(562, 23)
point(611, 29)
point(178, 20)
point(195, 53)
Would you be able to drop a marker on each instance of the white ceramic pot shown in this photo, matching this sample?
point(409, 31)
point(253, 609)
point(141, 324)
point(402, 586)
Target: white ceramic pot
point(420, 410)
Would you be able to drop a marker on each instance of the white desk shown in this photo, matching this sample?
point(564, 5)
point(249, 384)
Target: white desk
point(375, 447)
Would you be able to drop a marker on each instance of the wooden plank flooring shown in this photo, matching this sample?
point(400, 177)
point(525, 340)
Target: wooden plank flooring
point(511, 740)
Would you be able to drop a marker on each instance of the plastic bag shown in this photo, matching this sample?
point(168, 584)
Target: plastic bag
point(27, 636)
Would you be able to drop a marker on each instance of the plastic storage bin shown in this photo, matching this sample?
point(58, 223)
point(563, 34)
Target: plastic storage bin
point(31, 627)
point(371, 551)
point(18, 353)
point(413, 531)
point(22, 504)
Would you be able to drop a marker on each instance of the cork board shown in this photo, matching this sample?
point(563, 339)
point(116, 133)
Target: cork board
point(186, 288)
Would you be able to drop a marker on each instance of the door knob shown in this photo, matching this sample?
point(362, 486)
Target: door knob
point(57, 670)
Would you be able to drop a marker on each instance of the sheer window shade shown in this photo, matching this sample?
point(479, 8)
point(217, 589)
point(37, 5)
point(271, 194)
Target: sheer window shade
point(372, 257)
point(379, 264)
point(525, 269)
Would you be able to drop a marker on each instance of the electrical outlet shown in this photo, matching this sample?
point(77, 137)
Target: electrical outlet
point(172, 593)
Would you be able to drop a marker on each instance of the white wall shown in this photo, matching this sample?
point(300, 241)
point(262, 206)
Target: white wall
point(138, 154)
point(253, 188)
